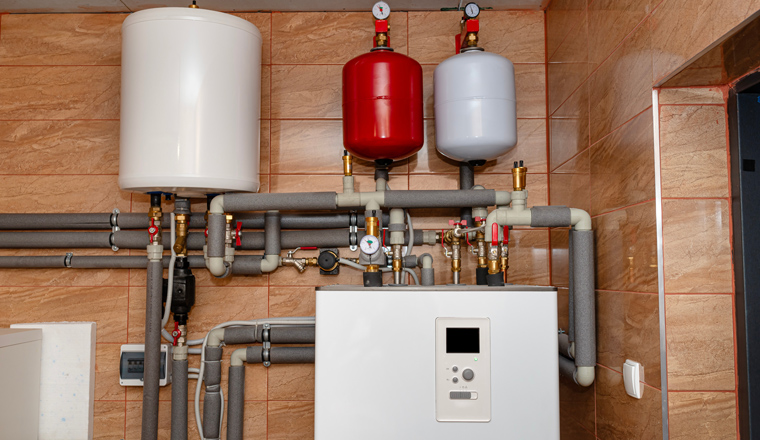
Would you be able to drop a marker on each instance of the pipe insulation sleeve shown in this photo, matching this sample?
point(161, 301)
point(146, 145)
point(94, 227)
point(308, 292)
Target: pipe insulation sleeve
point(45, 262)
point(439, 198)
point(564, 346)
point(152, 365)
point(272, 231)
point(466, 181)
point(241, 335)
point(292, 355)
point(566, 368)
point(58, 221)
point(216, 227)
point(47, 240)
point(179, 399)
point(584, 298)
point(549, 216)
point(235, 402)
point(300, 334)
point(212, 403)
point(282, 202)
point(571, 291)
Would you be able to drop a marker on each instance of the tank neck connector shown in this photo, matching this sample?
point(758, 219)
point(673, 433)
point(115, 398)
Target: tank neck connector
point(469, 34)
point(382, 40)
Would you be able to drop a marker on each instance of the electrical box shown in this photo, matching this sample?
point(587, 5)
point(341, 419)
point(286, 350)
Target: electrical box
point(443, 362)
point(131, 363)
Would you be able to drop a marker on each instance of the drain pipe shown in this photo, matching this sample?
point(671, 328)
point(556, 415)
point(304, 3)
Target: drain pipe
point(427, 272)
point(255, 355)
point(153, 304)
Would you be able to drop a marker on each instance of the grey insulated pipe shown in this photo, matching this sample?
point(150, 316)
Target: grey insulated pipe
point(272, 231)
point(179, 399)
point(280, 355)
point(212, 401)
point(300, 334)
point(152, 366)
point(236, 402)
point(466, 181)
point(583, 298)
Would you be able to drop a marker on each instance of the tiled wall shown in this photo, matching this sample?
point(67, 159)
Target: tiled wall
point(59, 132)
point(603, 59)
point(697, 263)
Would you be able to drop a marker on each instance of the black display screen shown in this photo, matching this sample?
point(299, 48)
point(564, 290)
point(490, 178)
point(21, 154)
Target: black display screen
point(462, 340)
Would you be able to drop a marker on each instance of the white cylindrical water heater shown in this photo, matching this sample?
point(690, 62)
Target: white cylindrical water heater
point(475, 110)
point(190, 102)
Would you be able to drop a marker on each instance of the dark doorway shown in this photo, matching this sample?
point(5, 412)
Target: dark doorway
point(744, 126)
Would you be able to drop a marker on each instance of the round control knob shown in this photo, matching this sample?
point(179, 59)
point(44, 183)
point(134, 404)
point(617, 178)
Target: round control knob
point(468, 374)
point(454, 368)
point(455, 380)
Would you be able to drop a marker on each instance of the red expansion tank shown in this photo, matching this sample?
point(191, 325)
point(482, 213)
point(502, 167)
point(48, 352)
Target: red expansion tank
point(382, 106)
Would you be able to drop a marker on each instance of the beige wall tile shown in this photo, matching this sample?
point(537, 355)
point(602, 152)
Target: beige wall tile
point(577, 403)
point(429, 159)
point(254, 424)
point(265, 152)
point(628, 327)
point(104, 305)
point(569, 128)
point(571, 430)
point(560, 257)
point(307, 91)
point(296, 301)
point(61, 39)
point(519, 36)
point(108, 420)
point(621, 417)
point(697, 246)
point(700, 342)
point(107, 385)
point(568, 66)
point(691, 95)
point(263, 21)
point(428, 90)
point(610, 21)
point(562, 18)
point(316, 182)
point(51, 193)
point(90, 92)
point(266, 92)
point(702, 415)
point(291, 382)
point(529, 257)
point(329, 37)
point(530, 85)
point(620, 88)
point(693, 151)
point(622, 166)
point(570, 190)
point(290, 420)
point(59, 147)
point(626, 249)
point(563, 304)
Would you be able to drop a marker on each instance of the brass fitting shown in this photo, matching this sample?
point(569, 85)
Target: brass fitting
point(194, 6)
point(298, 263)
point(381, 38)
point(371, 226)
point(480, 237)
point(519, 176)
point(155, 214)
point(504, 259)
point(471, 39)
point(348, 167)
point(372, 268)
point(493, 259)
point(180, 244)
point(397, 258)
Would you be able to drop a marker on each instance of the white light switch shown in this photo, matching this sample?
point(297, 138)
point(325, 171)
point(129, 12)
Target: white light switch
point(632, 376)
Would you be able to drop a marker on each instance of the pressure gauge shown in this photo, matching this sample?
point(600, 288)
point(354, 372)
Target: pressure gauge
point(381, 10)
point(369, 244)
point(471, 10)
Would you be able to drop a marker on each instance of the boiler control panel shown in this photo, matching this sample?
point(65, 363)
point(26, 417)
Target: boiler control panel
point(463, 369)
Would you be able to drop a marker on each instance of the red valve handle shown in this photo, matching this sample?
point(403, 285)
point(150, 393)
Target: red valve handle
point(494, 234)
point(457, 223)
point(238, 233)
point(506, 234)
point(177, 332)
point(152, 230)
point(309, 248)
point(479, 219)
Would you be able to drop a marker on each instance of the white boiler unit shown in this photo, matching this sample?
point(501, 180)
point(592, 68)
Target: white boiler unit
point(190, 102)
point(443, 362)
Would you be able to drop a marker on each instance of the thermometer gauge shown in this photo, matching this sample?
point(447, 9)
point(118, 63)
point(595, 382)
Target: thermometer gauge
point(471, 10)
point(369, 244)
point(381, 10)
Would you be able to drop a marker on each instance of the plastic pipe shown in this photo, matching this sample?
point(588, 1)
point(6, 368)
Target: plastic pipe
point(212, 403)
point(59, 221)
point(466, 181)
point(281, 355)
point(235, 402)
point(584, 313)
point(152, 367)
point(179, 399)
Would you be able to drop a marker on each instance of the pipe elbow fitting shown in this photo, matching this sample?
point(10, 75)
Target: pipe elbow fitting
point(215, 337)
point(503, 198)
point(425, 261)
point(580, 219)
point(269, 263)
point(584, 376)
point(217, 205)
point(216, 266)
point(237, 358)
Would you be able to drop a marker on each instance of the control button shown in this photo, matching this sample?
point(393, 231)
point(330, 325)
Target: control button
point(455, 368)
point(455, 380)
point(460, 395)
point(468, 374)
